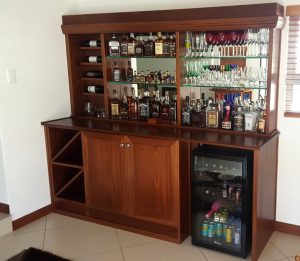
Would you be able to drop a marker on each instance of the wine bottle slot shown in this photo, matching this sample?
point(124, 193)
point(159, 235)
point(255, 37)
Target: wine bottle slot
point(95, 89)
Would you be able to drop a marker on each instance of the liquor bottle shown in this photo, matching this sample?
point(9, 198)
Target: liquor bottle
point(116, 72)
point(124, 46)
point(95, 89)
point(226, 122)
point(124, 106)
point(139, 48)
point(114, 46)
point(93, 59)
point(129, 72)
point(132, 106)
point(186, 119)
point(173, 110)
point(91, 43)
point(155, 106)
point(250, 119)
point(261, 126)
point(142, 77)
point(166, 46)
point(115, 106)
point(149, 46)
point(165, 110)
point(131, 45)
point(94, 74)
point(172, 46)
point(159, 45)
point(213, 116)
point(198, 116)
point(144, 106)
point(238, 119)
point(188, 48)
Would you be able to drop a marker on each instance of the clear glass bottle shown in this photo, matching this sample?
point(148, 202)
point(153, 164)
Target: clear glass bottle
point(250, 119)
point(238, 119)
point(116, 74)
point(132, 106)
point(149, 46)
point(124, 106)
point(131, 45)
point(114, 46)
point(261, 126)
point(159, 45)
point(185, 116)
point(213, 116)
point(198, 115)
point(139, 47)
point(155, 106)
point(144, 106)
point(115, 106)
point(166, 46)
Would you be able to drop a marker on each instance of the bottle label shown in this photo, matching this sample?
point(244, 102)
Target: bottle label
point(212, 120)
point(158, 49)
point(93, 43)
point(186, 118)
point(249, 122)
point(261, 125)
point(166, 49)
point(226, 125)
point(138, 50)
point(116, 75)
point(92, 59)
point(131, 49)
point(115, 109)
point(172, 49)
point(114, 44)
point(143, 110)
point(124, 49)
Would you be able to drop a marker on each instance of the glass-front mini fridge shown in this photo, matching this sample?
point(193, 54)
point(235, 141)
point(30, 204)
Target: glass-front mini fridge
point(221, 193)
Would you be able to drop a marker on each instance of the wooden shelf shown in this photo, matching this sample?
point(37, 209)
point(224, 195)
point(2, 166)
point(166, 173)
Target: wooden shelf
point(92, 79)
point(90, 64)
point(93, 94)
point(89, 48)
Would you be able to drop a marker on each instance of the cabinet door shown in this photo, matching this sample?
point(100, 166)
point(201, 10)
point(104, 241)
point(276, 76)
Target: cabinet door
point(105, 172)
point(154, 179)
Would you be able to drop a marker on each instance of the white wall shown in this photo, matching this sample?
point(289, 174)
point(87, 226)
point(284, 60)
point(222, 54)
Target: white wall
point(288, 196)
point(3, 192)
point(32, 44)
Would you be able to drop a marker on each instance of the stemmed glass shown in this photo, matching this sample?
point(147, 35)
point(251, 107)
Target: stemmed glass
point(221, 37)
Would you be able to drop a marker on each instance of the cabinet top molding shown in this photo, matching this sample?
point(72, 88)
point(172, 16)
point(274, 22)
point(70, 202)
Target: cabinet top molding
point(268, 15)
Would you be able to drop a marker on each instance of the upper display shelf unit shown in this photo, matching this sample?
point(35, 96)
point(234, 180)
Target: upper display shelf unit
point(178, 66)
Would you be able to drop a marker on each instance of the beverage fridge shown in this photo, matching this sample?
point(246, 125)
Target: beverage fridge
point(221, 199)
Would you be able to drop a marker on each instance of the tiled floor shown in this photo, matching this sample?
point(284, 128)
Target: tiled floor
point(84, 241)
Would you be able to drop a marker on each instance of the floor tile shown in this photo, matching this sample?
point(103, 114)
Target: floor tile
point(115, 255)
point(128, 239)
point(213, 255)
point(271, 253)
point(163, 251)
point(288, 244)
point(36, 225)
point(80, 240)
point(55, 221)
point(14, 243)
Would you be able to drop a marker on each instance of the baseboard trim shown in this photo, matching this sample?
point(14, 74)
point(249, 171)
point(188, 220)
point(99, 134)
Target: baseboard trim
point(4, 208)
point(287, 228)
point(20, 222)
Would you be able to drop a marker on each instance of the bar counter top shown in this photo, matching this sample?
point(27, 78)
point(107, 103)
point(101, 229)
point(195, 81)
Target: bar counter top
point(251, 141)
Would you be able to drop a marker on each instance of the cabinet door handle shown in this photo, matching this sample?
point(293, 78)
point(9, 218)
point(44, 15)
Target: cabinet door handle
point(122, 145)
point(127, 145)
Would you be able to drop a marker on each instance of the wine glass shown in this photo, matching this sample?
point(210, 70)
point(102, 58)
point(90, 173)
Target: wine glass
point(210, 39)
point(221, 37)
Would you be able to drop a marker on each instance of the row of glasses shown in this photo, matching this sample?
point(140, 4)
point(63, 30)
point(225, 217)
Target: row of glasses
point(200, 73)
point(250, 42)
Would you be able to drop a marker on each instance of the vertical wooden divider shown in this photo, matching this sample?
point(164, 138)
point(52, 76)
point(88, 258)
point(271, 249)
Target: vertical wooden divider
point(104, 70)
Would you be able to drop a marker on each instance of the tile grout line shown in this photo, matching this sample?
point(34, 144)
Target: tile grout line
point(278, 249)
point(119, 241)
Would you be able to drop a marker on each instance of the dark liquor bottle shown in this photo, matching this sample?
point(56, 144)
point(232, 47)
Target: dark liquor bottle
point(197, 115)
point(114, 46)
point(238, 119)
point(95, 89)
point(115, 106)
point(132, 106)
point(129, 72)
point(226, 122)
point(91, 43)
point(173, 110)
point(124, 46)
point(155, 106)
point(166, 46)
point(116, 72)
point(144, 106)
point(149, 46)
point(131, 45)
point(186, 119)
point(93, 59)
point(139, 48)
point(94, 74)
point(159, 45)
point(165, 110)
point(124, 106)
point(172, 46)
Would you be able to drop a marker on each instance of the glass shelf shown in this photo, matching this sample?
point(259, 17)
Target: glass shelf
point(226, 87)
point(140, 57)
point(223, 57)
point(144, 83)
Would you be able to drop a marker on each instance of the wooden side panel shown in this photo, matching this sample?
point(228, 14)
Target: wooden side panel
point(154, 179)
point(105, 172)
point(264, 195)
